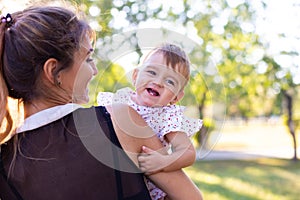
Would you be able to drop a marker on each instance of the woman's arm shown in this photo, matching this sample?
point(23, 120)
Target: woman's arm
point(133, 133)
point(183, 155)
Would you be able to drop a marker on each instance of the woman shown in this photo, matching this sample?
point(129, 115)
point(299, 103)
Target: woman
point(64, 151)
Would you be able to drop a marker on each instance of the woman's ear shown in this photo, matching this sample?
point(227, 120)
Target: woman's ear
point(134, 75)
point(49, 68)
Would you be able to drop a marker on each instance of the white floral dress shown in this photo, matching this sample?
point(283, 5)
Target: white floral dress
point(162, 120)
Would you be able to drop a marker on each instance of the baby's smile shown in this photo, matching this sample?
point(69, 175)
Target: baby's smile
point(152, 92)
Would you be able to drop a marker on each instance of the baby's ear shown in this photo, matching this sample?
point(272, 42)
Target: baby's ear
point(178, 97)
point(134, 75)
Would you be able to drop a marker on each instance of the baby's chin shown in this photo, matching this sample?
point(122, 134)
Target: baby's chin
point(144, 102)
point(148, 104)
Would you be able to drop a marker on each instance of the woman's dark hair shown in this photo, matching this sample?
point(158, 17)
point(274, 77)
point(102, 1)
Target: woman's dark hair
point(35, 35)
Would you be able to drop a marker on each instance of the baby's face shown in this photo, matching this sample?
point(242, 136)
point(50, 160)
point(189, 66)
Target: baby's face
point(157, 84)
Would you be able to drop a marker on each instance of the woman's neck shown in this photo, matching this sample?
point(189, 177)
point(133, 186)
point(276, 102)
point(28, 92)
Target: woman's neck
point(36, 106)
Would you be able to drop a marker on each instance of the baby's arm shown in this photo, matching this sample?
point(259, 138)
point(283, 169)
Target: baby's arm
point(133, 134)
point(183, 155)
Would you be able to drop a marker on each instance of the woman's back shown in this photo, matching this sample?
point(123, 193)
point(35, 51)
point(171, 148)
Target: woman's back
point(73, 158)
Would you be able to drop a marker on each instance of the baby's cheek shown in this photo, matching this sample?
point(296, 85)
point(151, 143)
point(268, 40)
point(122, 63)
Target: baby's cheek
point(171, 90)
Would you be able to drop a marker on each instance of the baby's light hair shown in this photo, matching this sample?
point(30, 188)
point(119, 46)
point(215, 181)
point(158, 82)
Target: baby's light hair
point(175, 57)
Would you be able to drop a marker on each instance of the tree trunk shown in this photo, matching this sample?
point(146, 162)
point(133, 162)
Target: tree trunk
point(290, 122)
point(203, 134)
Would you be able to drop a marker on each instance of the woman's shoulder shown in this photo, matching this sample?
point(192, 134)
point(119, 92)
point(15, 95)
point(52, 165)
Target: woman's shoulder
point(92, 113)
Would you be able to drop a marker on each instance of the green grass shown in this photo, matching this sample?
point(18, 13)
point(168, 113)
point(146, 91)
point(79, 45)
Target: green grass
point(261, 179)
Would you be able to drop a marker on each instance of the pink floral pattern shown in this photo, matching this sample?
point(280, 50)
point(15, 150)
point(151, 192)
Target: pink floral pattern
point(162, 120)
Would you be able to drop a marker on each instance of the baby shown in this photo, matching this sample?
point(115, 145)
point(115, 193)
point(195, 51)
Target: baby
point(159, 84)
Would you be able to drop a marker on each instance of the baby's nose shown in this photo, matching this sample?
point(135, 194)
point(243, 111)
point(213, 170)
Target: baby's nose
point(158, 82)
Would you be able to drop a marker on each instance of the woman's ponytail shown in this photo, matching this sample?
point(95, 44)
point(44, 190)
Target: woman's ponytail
point(6, 121)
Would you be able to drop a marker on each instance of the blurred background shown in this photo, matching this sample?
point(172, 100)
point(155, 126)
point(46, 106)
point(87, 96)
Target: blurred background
point(244, 82)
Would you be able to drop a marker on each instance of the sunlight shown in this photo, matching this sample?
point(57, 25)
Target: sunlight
point(273, 162)
point(9, 6)
point(199, 176)
point(208, 178)
point(252, 171)
point(17, 112)
point(289, 176)
point(250, 189)
point(279, 26)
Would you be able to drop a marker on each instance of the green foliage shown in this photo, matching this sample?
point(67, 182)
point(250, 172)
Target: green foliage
point(234, 78)
point(99, 21)
point(109, 79)
point(296, 122)
point(234, 44)
point(230, 63)
point(267, 179)
point(201, 136)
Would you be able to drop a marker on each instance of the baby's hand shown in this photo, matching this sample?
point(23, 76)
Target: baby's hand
point(151, 161)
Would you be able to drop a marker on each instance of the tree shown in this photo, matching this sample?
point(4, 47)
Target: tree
point(229, 66)
point(288, 91)
point(111, 76)
point(209, 72)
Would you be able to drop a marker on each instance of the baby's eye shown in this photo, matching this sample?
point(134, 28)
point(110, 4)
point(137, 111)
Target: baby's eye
point(170, 82)
point(151, 72)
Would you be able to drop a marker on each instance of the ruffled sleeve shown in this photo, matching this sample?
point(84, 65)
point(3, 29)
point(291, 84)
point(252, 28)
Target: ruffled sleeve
point(162, 120)
point(104, 98)
point(172, 118)
point(108, 98)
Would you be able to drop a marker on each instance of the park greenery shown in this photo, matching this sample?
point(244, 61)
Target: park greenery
point(264, 178)
point(234, 72)
point(234, 75)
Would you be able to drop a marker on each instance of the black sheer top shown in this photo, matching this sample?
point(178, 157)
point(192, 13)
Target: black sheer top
point(75, 157)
